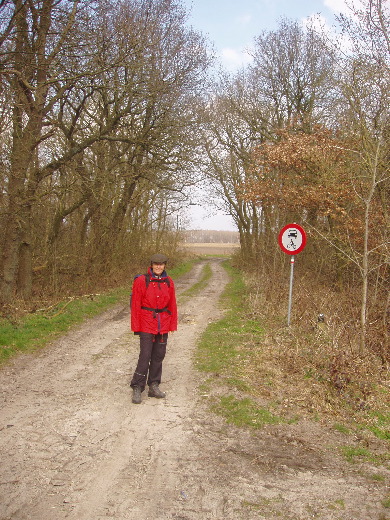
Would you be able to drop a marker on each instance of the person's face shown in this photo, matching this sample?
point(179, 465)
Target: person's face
point(158, 268)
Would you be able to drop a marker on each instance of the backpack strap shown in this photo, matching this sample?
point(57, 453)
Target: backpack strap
point(158, 280)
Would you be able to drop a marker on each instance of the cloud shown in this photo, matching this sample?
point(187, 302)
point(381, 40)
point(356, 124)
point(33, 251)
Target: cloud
point(342, 6)
point(233, 59)
point(337, 6)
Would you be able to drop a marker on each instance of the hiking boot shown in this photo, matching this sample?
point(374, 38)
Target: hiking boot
point(136, 394)
point(154, 391)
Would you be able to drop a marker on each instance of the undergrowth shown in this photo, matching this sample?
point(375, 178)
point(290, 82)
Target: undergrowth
point(266, 369)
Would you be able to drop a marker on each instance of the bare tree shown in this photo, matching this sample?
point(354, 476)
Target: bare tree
point(289, 83)
point(32, 40)
point(336, 179)
point(234, 122)
point(294, 66)
point(101, 97)
point(365, 87)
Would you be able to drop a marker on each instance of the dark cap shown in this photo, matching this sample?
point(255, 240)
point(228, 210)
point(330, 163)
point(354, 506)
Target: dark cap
point(158, 258)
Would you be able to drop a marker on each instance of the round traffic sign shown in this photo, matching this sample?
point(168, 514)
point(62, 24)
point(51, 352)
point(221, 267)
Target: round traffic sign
point(292, 239)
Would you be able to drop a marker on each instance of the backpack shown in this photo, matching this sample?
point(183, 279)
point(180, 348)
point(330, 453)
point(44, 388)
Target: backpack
point(147, 281)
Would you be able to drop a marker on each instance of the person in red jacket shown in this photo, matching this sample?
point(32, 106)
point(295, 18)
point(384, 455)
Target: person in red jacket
point(153, 316)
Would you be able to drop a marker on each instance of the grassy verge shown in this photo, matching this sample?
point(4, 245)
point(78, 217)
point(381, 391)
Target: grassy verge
point(36, 330)
point(32, 331)
point(243, 363)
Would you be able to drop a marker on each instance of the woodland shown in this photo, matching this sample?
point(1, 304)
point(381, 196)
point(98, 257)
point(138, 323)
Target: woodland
point(112, 115)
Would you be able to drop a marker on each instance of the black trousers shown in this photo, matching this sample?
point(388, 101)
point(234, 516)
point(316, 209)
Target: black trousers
point(152, 352)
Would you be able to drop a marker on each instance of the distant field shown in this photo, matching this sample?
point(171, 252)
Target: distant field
point(211, 248)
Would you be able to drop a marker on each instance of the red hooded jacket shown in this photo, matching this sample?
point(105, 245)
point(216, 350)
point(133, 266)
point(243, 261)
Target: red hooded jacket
point(153, 305)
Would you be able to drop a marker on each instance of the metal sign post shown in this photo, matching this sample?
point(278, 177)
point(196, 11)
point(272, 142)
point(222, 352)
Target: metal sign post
point(292, 240)
point(290, 292)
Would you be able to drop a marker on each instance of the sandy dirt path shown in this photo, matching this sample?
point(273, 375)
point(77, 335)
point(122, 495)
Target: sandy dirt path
point(74, 446)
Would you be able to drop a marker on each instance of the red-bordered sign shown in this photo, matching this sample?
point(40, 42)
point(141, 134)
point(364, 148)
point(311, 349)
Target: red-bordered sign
point(292, 239)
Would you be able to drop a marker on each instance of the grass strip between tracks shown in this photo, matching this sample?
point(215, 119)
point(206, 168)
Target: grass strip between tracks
point(206, 274)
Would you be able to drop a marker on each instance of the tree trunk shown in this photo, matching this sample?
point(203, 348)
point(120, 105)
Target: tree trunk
point(16, 226)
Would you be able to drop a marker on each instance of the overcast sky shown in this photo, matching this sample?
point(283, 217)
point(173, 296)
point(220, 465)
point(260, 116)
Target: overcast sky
point(231, 26)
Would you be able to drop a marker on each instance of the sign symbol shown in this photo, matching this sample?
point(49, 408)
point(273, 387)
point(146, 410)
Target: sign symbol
point(292, 239)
